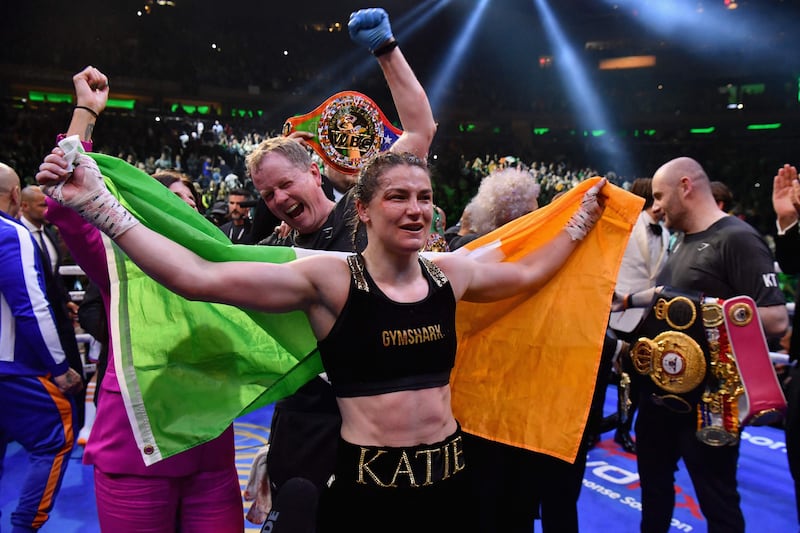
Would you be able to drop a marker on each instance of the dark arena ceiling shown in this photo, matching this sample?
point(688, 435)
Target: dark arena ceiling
point(281, 45)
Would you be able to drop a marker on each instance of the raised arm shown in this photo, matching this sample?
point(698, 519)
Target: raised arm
point(371, 28)
point(786, 203)
point(91, 97)
point(786, 196)
point(84, 240)
point(299, 285)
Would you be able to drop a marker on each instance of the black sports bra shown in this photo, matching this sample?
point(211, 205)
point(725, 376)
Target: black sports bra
point(378, 345)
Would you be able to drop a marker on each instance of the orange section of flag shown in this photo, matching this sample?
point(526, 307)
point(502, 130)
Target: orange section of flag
point(527, 366)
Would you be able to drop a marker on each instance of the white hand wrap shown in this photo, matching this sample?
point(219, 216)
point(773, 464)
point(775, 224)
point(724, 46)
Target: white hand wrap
point(95, 204)
point(72, 149)
point(585, 217)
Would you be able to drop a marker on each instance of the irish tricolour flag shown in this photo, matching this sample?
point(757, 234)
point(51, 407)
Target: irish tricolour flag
point(525, 370)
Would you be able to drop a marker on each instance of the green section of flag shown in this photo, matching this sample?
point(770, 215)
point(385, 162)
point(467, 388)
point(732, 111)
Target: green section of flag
point(190, 368)
point(310, 126)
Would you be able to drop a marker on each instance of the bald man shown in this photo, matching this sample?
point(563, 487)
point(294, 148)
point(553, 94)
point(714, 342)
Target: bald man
point(10, 194)
point(719, 256)
point(32, 211)
point(38, 383)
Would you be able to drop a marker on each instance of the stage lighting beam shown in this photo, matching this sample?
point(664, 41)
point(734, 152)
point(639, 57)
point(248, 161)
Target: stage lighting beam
point(356, 64)
point(583, 98)
point(453, 59)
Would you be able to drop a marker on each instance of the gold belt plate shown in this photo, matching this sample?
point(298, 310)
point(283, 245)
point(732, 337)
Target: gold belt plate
point(673, 360)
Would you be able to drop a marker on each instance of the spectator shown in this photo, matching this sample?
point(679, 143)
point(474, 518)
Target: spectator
point(238, 226)
point(32, 215)
point(722, 195)
point(644, 258)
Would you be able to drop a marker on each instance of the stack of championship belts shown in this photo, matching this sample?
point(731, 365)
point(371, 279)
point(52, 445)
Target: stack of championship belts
point(710, 356)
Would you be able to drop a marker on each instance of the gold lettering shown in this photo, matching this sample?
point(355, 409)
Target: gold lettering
point(428, 464)
point(363, 466)
point(339, 139)
point(446, 452)
point(404, 337)
point(458, 452)
point(452, 462)
point(404, 467)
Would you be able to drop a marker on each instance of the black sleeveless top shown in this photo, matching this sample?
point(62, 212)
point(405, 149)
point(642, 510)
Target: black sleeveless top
point(378, 346)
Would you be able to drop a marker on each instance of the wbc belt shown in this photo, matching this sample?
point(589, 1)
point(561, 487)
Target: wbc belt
point(349, 128)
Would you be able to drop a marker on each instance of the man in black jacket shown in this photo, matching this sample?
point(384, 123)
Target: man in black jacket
point(32, 216)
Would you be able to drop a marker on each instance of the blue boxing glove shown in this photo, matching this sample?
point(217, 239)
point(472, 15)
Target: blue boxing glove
point(370, 27)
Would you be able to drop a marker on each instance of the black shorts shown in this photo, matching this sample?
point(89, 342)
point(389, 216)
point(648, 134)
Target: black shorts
point(420, 488)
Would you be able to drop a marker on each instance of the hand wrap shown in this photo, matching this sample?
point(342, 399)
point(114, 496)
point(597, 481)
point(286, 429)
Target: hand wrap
point(586, 216)
point(95, 203)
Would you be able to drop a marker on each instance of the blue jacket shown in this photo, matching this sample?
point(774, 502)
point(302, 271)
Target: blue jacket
point(29, 343)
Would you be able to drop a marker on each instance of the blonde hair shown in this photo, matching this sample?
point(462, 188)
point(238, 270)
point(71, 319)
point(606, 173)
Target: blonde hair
point(292, 150)
point(503, 196)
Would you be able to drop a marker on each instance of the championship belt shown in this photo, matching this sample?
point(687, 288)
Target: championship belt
point(672, 351)
point(743, 388)
point(349, 128)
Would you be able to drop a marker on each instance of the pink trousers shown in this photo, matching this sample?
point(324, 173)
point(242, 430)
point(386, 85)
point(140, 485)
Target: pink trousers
point(206, 502)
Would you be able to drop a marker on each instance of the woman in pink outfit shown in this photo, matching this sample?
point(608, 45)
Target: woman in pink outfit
point(197, 490)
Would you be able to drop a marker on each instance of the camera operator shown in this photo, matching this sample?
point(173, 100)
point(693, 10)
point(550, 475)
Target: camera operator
point(239, 224)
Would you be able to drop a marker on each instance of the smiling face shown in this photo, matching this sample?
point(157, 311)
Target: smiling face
point(292, 192)
point(396, 204)
point(668, 205)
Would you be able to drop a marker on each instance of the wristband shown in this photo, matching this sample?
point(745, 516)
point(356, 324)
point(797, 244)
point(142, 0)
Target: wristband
point(385, 49)
point(89, 109)
point(627, 302)
point(349, 128)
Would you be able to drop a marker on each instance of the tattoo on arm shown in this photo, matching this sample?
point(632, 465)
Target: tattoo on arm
point(88, 134)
